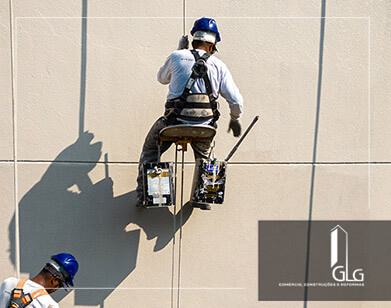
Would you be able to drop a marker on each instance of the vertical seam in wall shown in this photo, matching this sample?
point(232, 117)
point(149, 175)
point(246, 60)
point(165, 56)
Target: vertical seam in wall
point(369, 112)
point(314, 155)
point(182, 179)
point(14, 137)
point(83, 67)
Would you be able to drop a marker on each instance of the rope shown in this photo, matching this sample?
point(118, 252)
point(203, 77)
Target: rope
point(184, 17)
point(14, 136)
point(83, 68)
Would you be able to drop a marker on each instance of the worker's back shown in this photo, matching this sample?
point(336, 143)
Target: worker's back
point(178, 68)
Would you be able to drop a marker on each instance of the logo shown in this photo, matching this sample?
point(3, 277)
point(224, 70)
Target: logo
point(212, 168)
point(339, 257)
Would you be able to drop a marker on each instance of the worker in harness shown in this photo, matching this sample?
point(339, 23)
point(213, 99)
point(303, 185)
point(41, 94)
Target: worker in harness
point(195, 78)
point(34, 292)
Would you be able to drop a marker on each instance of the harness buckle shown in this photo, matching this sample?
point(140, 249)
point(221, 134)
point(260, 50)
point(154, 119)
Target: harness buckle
point(26, 299)
point(200, 68)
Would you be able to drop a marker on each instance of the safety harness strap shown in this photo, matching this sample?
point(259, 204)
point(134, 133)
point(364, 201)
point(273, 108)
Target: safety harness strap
point(39, 293)
point(194, 107)
point(21, 300)
point(199, 71)
point(21, 284)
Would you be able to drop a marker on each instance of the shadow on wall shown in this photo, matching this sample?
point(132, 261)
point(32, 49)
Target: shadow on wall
point(89, 224)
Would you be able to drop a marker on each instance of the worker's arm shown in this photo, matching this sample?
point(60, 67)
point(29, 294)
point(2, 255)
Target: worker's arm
point(164, 74)
point(230, 92)
point(5, 293)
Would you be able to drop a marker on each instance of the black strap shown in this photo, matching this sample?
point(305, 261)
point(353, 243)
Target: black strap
point(180, 104)
point(199, 70)
point(190, 118)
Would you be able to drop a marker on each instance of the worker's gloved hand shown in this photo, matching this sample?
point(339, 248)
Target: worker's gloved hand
point(236, 128)
point(183, 42)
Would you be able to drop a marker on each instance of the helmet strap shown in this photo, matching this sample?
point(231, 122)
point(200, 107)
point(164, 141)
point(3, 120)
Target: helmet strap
point(214, 49)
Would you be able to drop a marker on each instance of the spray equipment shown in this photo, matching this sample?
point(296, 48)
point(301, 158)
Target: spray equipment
point(158, 189)
point(210, 175)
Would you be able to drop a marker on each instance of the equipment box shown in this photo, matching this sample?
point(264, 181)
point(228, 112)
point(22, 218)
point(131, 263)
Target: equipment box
point(209, 181)
point(158, 184)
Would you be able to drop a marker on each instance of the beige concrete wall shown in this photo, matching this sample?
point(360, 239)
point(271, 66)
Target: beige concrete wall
point(68, 201)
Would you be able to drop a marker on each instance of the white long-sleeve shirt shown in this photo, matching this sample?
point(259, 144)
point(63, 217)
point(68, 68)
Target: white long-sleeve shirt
point(177, 70)
point(44, 301)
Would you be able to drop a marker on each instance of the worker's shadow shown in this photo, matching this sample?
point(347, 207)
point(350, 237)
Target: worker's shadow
point(66, 212)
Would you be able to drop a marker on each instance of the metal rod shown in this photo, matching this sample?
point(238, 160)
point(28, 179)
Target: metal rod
point(182, 180)
point(242, 138)
point(180, 223)
point(176, 177)
point(174, 231)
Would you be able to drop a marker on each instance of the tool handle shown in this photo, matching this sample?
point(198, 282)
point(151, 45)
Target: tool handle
point(242, 138)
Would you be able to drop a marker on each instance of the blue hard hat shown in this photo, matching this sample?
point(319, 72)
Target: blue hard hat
point(67, 265)
point(206, 24)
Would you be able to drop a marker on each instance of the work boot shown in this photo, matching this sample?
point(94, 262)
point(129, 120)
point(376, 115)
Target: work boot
point(206, 207)
point(140, 203)
point(202, 206)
